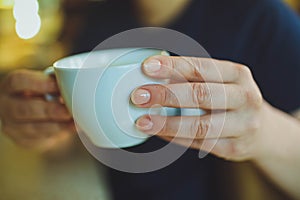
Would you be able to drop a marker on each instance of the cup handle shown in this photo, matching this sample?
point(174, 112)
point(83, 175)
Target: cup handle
point(49, 71)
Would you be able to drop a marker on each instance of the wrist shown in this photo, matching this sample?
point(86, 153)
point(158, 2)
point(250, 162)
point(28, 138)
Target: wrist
point(266, 139)
point(277, 149)
point(276, 138)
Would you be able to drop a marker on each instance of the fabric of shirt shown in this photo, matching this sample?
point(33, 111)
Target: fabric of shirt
point(262, 34)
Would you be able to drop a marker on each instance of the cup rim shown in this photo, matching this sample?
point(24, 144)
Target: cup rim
point(82, 57)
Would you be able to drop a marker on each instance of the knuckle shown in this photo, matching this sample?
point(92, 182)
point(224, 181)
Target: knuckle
point(167, 61)
point(170, 62)
point(243, 70)
point(199, 128)
point(167, 97)
point(13, 79)
point(197, 66)
point(200, 94)
point(253, 98)
point(30, 110)
point(163, 95)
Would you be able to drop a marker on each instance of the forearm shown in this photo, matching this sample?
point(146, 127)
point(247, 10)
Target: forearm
point(279, 150)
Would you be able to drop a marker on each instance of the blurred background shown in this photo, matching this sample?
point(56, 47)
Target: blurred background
point(35, 33)
point(34, 37)
point(39, 44)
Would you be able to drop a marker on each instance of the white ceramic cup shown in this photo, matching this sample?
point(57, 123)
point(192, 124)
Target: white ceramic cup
point(96, 88)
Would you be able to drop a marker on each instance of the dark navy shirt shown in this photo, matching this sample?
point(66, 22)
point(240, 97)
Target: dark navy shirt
point(262, 34)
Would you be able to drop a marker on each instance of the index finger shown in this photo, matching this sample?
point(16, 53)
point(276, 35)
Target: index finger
point(193, 69)
point(29, 81)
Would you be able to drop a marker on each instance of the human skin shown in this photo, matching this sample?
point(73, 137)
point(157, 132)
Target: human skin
point(258, 138)
point(32, 122)
point(253, 129)
point(28, 119)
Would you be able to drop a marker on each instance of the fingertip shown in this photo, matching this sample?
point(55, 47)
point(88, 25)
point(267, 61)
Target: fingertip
point(140, 96)
point(144, 123)
point(152, 66)
point(157, 67)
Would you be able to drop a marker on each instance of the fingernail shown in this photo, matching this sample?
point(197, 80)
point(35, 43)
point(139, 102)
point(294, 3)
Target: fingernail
point(152, 66)
point(144, 124)
point(140, 96)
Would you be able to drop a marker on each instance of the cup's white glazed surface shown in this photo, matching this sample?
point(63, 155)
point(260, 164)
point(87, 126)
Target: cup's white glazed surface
point(96, 88)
